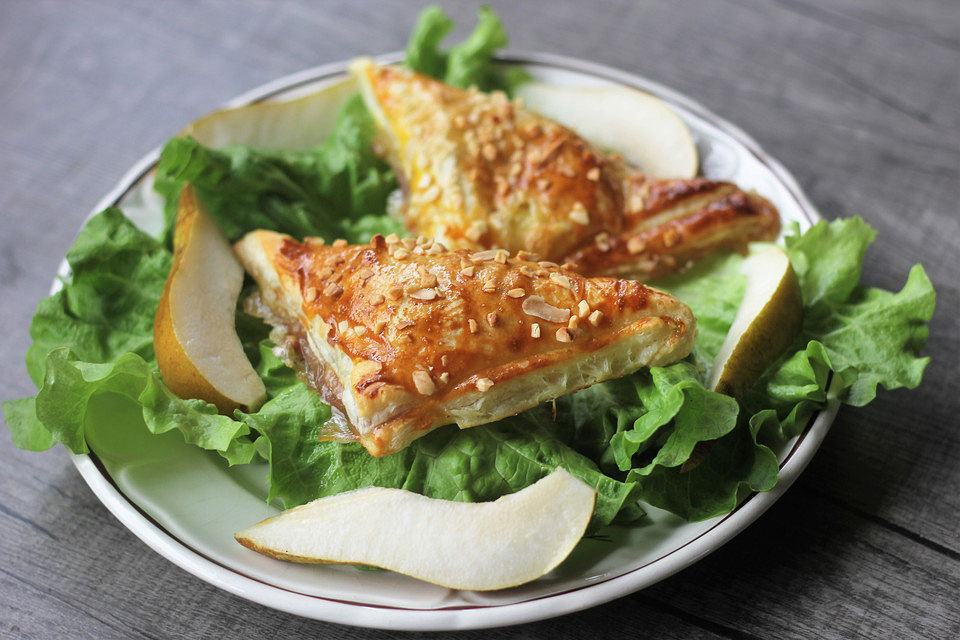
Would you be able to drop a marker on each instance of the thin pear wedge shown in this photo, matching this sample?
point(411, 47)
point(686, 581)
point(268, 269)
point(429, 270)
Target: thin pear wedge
point(194, 331)
point(460, 545)
point(639, 126)
point(295, 124)
point(769, 318)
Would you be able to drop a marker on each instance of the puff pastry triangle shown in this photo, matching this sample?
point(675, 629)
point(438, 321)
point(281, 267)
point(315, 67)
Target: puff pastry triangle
point(405, 335)
point(480, 171)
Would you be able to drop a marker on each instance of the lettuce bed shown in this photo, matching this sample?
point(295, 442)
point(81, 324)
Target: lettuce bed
point(658, 436)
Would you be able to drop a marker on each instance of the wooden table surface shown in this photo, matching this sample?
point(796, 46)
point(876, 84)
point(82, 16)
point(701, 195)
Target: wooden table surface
point(858, 99)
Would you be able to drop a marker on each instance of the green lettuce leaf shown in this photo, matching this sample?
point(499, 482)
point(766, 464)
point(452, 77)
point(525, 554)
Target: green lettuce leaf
point(71, 385)
point(94, 338)
point(688, 449)
point(467, 64)
point(106, 305)
point(329, 191)
point(477, 464)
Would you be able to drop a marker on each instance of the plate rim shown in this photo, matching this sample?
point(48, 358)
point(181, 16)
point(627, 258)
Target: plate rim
point(480, 616)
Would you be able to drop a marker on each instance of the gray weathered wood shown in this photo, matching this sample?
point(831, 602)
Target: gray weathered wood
point(858, 99)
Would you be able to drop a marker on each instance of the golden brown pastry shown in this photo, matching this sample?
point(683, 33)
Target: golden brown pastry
point(405, 336)
point(480, 171)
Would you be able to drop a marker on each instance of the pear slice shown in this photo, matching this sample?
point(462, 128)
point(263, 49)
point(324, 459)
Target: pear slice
point(639, 126)
point(294, 124)
point(769, 318)
point(461, 545)
point(194, 331)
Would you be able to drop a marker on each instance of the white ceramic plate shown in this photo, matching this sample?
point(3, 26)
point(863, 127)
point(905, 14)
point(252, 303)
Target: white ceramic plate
point(186, 504)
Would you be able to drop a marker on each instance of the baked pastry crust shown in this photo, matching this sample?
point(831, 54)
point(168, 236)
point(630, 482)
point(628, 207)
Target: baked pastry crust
point(405, 336)
point(480, 171)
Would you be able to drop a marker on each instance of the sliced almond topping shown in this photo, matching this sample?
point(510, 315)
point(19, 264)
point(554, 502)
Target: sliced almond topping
point(426, 293)
point(583, 309)
point(516, 293)
point(488, 287)
point(332, 290)
point(436, 248)
point(465, 262)
point(427, 279)
point(339, 243)
point(564, 335)
point(378, 326)
point(636, 245)
point(574, 323)
point(579, 214)
point(310, 294)
point(395, 294)
point(360, 329)
point(342, 326)
point(593, 174)
point(423, 241)
point(401, 254)
point(561, 280)
point(596, 317)
point(376, 299)
point(315, 241)
point(408, 243)
point(501, 256)
point(444, 360)
point(546, 264)
point(539, 308)
point(472, 324)
point(393, 238)
point(484, 384)
point(526, 256)
point(325, 273)
point(482, 256)
point(527, 271)
point(423, 382)
point(468, 271)
point(418, 250)
point(444, 377)
point(535, 330)
point(492, 319)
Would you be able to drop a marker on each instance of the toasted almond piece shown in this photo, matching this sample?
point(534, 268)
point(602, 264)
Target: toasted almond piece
point(425, 294)
point(423, 382)
point(484, 384)
point(538, 307)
